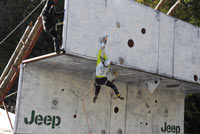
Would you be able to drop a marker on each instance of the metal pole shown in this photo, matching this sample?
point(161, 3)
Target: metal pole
point(40, 58)
point(10, 95)
point(8, 115)
point(159, 4)
point(172, 9)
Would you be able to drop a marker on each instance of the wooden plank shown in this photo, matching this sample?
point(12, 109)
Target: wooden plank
point(16, 52)
point(12, 74)
point(40, 57)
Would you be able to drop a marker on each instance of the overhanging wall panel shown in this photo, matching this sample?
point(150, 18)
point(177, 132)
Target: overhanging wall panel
point(162, 49)
point(166, 43)
point(80, 29)
point(89, 20)
point(143, 43)
point(186, 51)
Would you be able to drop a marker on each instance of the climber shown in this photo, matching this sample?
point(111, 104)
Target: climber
point(49, 20)
point(102, 68)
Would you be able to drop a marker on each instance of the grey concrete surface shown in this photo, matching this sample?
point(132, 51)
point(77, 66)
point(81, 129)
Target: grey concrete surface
point(168, 47)
point(60, 90)
point(85, 66)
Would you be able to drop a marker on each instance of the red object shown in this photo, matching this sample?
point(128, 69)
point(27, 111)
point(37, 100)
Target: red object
point(8, 116)
point(17, 72)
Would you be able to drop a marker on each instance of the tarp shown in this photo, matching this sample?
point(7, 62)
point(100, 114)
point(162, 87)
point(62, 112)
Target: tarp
point(5, 127)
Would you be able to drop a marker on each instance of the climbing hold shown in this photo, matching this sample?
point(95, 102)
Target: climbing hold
point(103, 131)
point(121, 60)
point(130, 43)
point(75, 116)
point(143, 30)
point(54, 103)
point(195, 77)
point(116, 109)
point(118, 25)
point(166, 113)
point(119, 131)
point(152, 85)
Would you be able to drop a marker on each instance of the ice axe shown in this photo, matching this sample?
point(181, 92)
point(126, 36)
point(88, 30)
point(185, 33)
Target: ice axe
point(103, 39)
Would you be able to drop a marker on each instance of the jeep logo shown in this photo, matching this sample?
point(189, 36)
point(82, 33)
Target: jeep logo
point(171, 129)
point(47, 120)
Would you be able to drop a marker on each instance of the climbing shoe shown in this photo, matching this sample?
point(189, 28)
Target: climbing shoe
point(94, 99)
point(60, 50)
point(120, 97)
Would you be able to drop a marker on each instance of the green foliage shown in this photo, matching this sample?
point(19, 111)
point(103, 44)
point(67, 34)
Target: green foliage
point(187, 10)
point(192, 114)
point(14, 12)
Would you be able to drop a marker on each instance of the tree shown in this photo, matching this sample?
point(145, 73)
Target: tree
point(188, 10)
point(192, 114)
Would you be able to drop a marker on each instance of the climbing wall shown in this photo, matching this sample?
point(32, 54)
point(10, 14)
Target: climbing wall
point(143, 38)
point(59, 100)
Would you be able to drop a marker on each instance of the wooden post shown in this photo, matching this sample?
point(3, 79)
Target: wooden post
point(40, 58)
point(16, 52)
point(31, 40)
point(171, 10)
point(159, 4)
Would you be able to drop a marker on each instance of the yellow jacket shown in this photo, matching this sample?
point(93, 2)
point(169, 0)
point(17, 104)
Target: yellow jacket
point(101, 69)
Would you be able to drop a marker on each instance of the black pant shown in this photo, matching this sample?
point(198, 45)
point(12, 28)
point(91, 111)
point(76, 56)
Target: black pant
point(57, 42)
point(104, 81)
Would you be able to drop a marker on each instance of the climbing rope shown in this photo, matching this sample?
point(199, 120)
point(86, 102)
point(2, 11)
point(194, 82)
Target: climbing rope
point(86, 117)
point(83, 105)
point(22, 21)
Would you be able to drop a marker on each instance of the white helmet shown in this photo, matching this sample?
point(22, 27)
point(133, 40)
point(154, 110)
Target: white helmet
point(107, 62)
